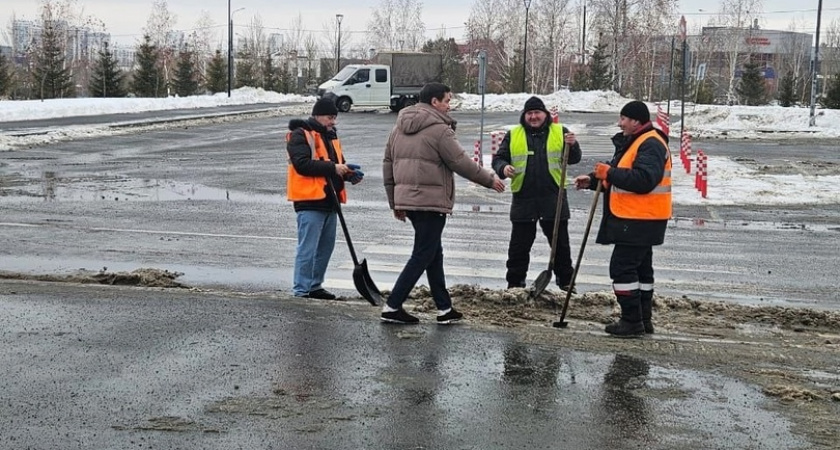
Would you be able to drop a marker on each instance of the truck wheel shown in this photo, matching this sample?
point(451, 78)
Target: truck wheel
point(343, 104)
point(395, 108)
point(409, 102)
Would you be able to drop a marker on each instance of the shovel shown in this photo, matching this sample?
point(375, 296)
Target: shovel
point(562, 323)
point(361, 277)
point(545, 276)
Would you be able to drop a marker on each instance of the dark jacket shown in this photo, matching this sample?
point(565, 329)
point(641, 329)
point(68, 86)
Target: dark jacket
point(300, 156)
point(646, 173)
point(537, 199)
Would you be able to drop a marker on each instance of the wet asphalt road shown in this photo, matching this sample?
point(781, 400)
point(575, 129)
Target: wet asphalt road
point(93, 367)
point(209, 201)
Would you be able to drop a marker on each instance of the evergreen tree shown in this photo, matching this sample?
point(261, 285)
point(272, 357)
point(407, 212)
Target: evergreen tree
point(185, 82)
point(752, 90)
point(787, 90)
point(217, 74)
point(454, 74)
point(245, 75)
point(286, 81)
point(51, 76)
point(5, 76)
point(148, 78)
point(831, 100)
point(580, 80)
point(269, 75)
point(107, 79)
point(595, 75)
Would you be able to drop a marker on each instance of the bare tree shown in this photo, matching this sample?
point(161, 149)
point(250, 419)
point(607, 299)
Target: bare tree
point(830, 50)
point(202, 41)
point(159, 27)
point(332, 39)
point(552, 43)
point(397, 25)
point(255, 48)
point(735, 20)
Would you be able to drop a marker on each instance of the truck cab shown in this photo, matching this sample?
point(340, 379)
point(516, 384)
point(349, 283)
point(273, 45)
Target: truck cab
point(360, 85)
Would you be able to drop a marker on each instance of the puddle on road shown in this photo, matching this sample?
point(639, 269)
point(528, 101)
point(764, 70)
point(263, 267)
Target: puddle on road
point(52, 187)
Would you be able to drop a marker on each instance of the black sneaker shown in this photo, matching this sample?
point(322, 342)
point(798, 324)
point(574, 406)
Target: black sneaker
point(451, 317)
point(321, 294)
point(399, 316)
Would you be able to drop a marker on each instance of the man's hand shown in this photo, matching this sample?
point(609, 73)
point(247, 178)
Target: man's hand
point(509, 171)
point(570, 138)
point(582, 182)
point(399, 215)
point(602, 170)
point(342, 170)
point(498, 184)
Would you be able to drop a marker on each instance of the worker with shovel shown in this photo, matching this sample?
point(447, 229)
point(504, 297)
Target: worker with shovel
point(637, 207)
point(315, 183)
point(532, 156)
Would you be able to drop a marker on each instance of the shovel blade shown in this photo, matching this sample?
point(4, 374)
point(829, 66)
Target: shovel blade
point(365, 285)
point(540, 283)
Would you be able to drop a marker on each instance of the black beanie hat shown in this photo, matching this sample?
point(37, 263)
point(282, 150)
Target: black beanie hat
point(535, 103)
point(636, 110)
point(325, 106)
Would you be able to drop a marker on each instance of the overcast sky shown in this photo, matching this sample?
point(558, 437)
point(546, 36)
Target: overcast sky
point(125, 19)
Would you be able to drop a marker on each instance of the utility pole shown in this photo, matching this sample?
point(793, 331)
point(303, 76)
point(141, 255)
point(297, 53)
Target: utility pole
point(816, 70)
point(230, 50)
point(338, 18)
point(525, 50)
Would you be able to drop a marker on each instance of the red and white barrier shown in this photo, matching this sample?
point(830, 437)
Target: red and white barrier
point(477, 154)
point(685, 151)
point(702, 173)
point(496, 138)
point(555, 114)
point(663, 120)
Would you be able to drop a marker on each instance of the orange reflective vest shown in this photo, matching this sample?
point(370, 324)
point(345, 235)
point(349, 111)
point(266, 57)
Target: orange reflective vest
point(656, 204)
point(303, 188)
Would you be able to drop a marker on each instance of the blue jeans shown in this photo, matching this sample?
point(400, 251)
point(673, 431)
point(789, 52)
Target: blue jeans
point(316, 241)
point(427, 256)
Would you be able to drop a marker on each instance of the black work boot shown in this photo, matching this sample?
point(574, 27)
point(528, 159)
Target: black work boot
point(630, 323)
point(647, 311)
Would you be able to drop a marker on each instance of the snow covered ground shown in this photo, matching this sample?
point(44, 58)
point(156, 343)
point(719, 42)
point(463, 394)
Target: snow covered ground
point(730, 183)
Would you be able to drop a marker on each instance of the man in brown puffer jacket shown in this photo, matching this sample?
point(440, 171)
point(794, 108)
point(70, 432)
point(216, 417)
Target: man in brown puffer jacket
point(420, 157)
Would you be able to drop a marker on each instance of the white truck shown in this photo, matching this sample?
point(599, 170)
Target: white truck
point(393, 79)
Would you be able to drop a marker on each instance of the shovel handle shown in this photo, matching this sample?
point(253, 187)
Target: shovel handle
point(343, 223)
point(559, 211)
point(580, 253)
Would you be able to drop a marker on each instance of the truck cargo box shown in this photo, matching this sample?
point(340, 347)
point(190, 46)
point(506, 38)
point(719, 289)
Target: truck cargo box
point(410, 71)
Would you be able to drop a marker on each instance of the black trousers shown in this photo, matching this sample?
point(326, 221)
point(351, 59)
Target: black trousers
point(632, 264)
point(522, 237)
point(427, 256)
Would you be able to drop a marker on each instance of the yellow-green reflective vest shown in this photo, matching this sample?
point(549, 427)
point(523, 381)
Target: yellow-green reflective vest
point(519, 154)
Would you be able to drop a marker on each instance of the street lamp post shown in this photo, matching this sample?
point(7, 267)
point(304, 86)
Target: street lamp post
point(338, 18)
point(525, 50)
point(230, 47)
point(812, 120)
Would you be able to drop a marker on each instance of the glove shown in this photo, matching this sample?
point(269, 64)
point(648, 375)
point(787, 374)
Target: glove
point(354, 166)
point(602, 170)
point(357, 177)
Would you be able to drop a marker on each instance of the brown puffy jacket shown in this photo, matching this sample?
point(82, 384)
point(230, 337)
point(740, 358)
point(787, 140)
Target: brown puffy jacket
point(420, 157)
